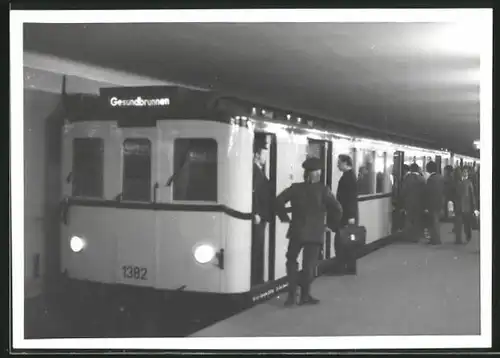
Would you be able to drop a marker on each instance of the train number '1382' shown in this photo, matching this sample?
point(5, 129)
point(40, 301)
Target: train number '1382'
point(135, 272)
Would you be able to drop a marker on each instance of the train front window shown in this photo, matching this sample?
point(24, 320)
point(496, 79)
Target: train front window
point(195, 168)
point(136, 169)
point(88, 167)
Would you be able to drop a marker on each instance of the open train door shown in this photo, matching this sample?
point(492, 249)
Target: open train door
point(439, 164)
point(324, 151)
point(264, 246)
point(397, 174)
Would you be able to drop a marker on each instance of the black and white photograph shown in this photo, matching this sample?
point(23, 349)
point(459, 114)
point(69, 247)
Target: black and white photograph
point(251, 179)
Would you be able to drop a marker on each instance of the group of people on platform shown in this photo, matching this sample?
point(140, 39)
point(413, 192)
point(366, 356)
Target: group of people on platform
point(425, 199)
point(315, 210)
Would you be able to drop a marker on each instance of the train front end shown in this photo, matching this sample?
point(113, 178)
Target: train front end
point(156, 195)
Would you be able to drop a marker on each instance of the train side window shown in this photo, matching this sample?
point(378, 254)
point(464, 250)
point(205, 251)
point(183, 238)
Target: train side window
point(88, 167)
point(365, 171)
point(195, 165)
point(314, 150)
point(136, 169)
point(380, 172)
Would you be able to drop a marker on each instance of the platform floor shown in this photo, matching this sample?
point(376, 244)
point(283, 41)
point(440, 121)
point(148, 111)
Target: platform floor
point(402, 289)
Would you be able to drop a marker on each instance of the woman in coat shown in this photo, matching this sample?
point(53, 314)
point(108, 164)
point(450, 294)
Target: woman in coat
point(465, 206)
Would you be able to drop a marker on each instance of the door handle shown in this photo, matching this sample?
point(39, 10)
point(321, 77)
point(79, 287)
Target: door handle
point(155, 191)
point(65, 210)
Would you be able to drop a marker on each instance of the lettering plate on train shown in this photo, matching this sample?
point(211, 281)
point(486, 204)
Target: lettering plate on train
point(132, 272)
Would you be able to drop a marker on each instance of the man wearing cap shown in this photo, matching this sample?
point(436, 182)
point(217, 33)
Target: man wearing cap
point(261, 208)
point(310, 200)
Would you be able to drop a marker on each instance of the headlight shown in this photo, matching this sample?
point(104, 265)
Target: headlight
point(204, 253)
point(77, 244)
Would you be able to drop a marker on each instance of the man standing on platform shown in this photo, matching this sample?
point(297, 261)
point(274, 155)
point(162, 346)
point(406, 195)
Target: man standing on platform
point(434, 199)
point(311, 200)
point(347, 195)
point(399, 215)
point(413, 191)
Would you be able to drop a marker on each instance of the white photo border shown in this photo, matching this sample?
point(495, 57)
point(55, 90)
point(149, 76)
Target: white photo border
point(481, 16)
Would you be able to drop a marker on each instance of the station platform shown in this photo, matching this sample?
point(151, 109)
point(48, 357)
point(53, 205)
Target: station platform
point(401, 289)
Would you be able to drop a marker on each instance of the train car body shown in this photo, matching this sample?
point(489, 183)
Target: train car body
point(158, 187)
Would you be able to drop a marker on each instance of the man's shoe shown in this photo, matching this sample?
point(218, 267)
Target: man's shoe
point(309, 301)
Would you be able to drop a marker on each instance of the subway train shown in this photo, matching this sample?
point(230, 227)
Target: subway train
point(157, 186)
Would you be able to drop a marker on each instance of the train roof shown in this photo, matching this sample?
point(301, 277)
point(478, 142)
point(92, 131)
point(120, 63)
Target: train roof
point(143, 106)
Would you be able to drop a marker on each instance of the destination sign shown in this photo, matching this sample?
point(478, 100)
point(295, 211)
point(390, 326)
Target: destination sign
point(139, 102)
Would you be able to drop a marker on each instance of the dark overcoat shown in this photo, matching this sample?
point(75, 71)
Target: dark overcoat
point(310, 202)
point(347, 195)
point(466, 198)
point(434, 192)
point(412, 193)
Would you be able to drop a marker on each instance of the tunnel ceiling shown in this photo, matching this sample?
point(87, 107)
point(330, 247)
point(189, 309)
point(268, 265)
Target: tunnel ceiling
point(419, 79)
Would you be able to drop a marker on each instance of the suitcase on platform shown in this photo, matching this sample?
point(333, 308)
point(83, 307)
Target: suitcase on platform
point(353, 236)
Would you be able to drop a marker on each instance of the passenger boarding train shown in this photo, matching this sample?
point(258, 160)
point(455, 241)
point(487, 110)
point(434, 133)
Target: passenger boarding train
point(157, 185)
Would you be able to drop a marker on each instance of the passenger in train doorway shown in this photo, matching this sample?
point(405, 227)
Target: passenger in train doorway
point(434, 199)
point(397, 185)
point(412, 193)
point(400, 214)
point(311, 201)
point(347, 195)
point(466, 207)
point(261, 209)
